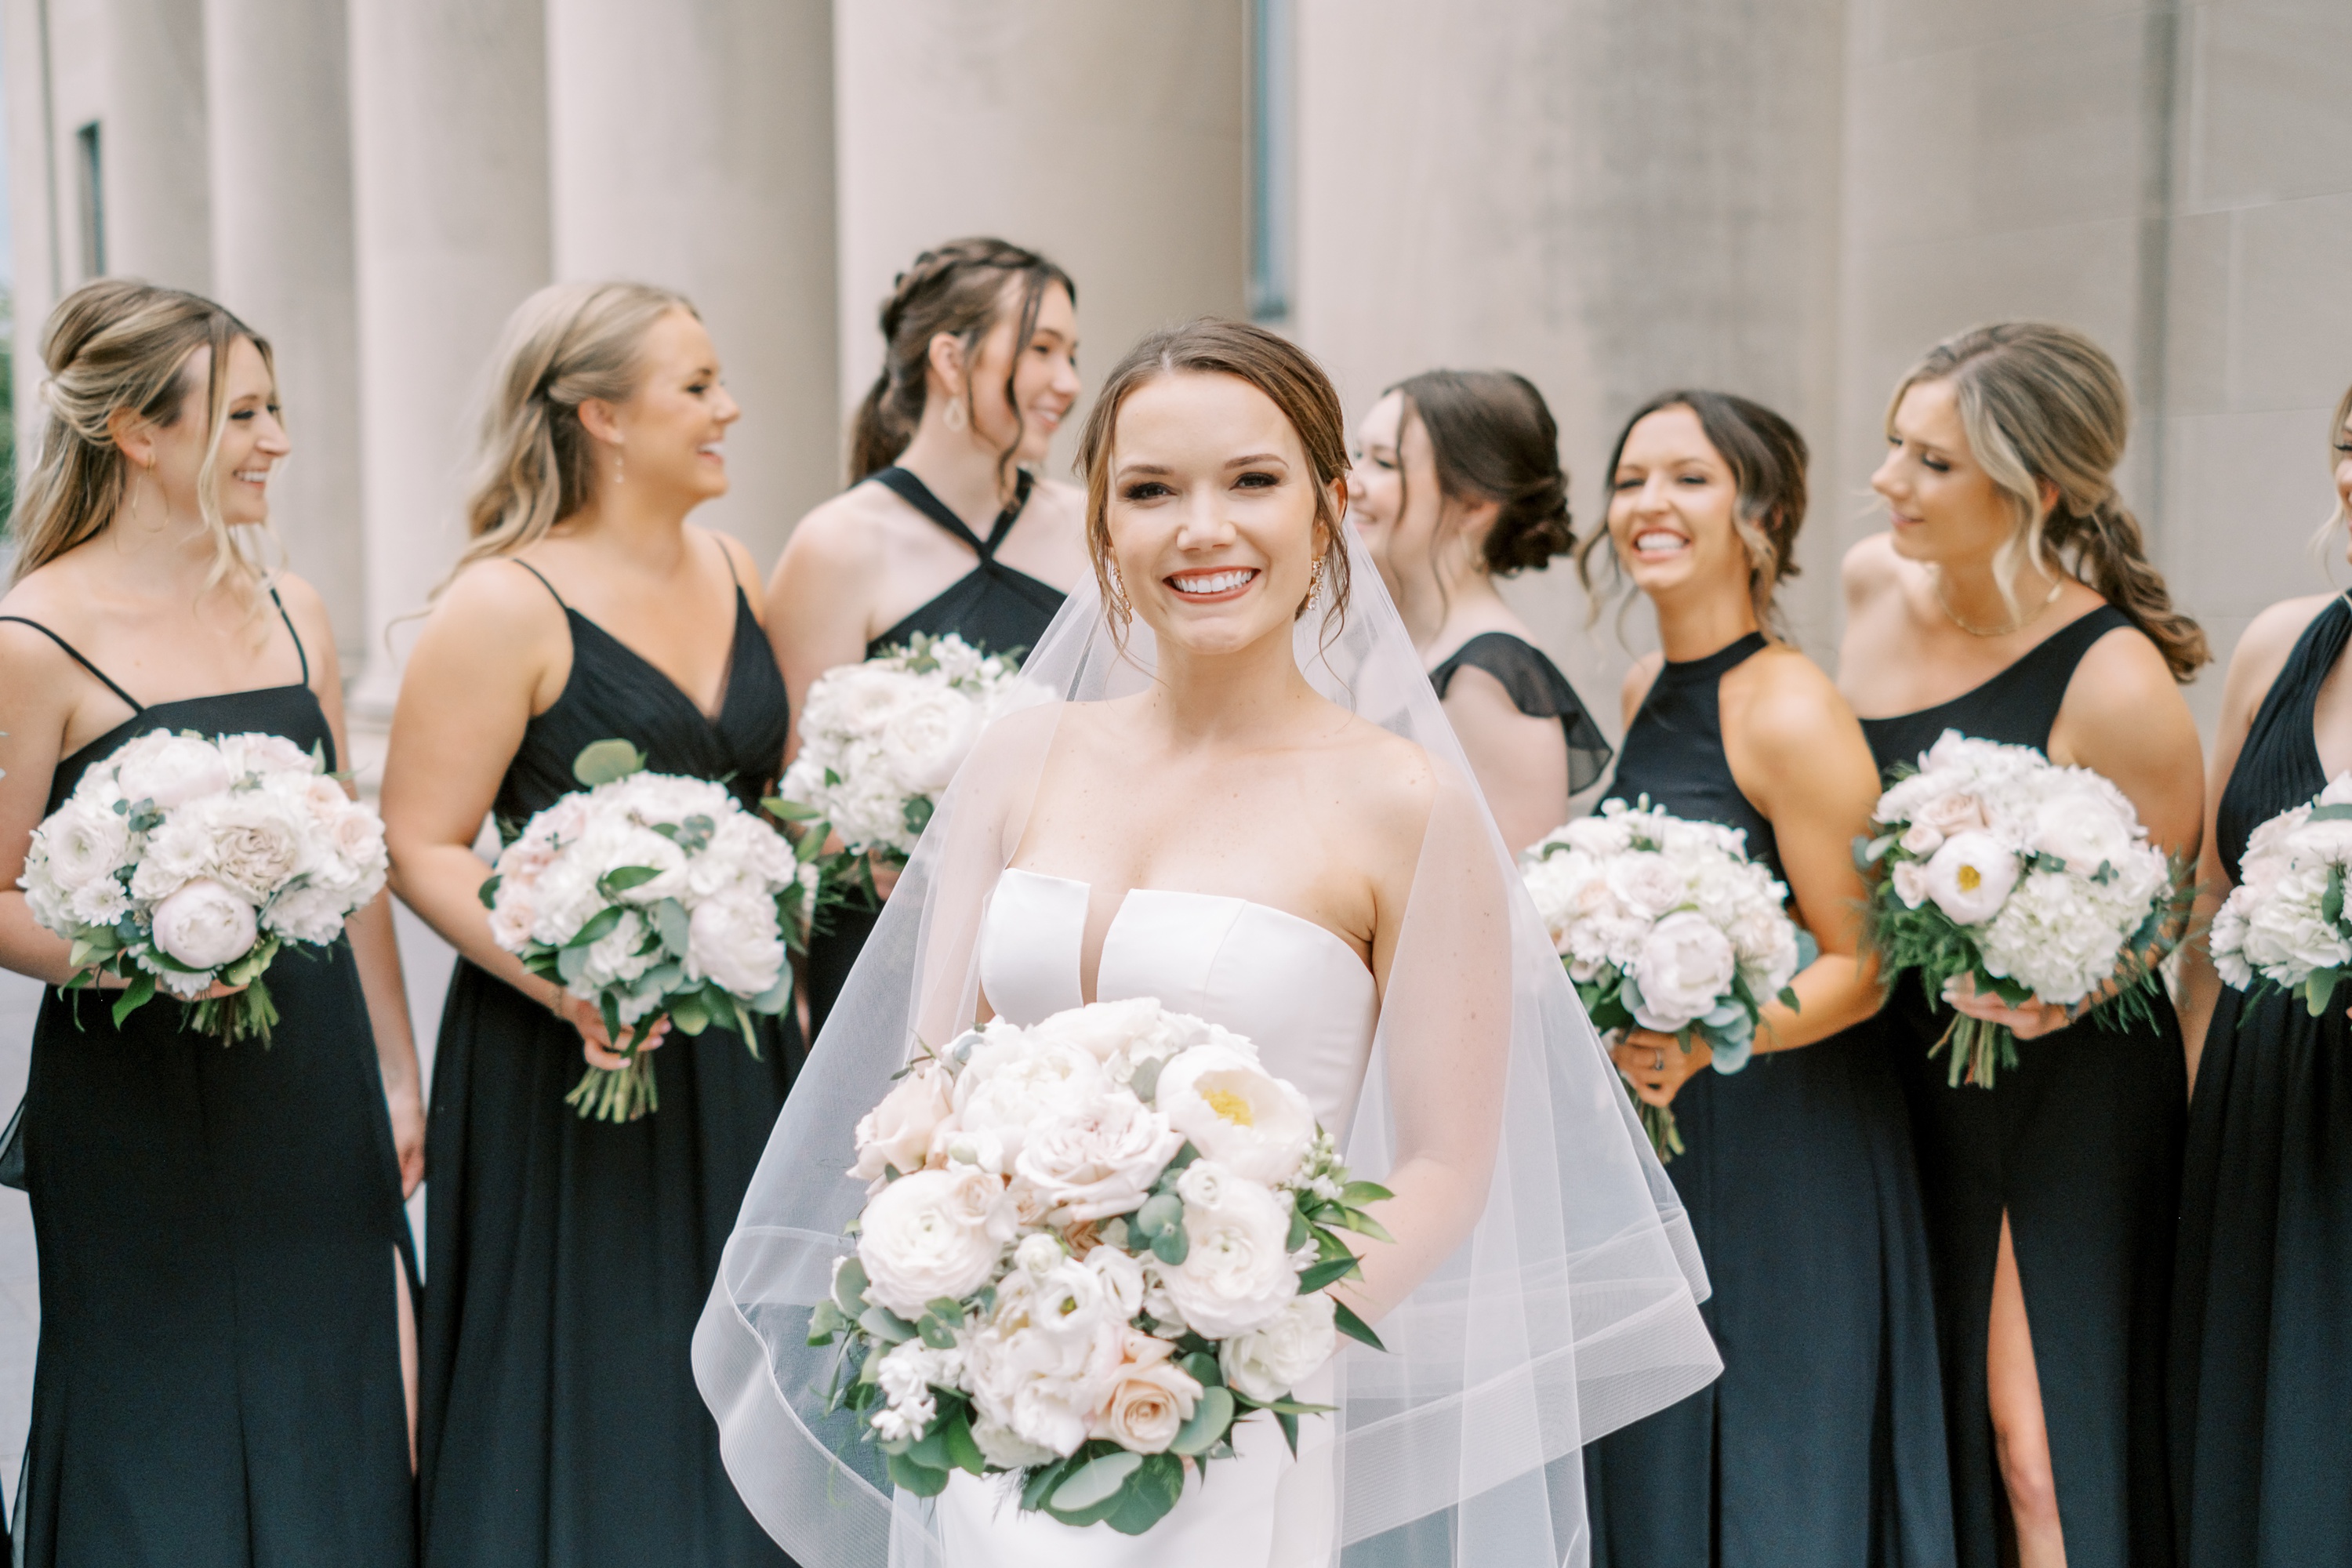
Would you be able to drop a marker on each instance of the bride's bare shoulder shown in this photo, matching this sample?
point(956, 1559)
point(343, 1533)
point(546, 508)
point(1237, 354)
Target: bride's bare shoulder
point(1393, 781)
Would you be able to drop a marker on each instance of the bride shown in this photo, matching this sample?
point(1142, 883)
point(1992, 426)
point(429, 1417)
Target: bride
point(1236, 793)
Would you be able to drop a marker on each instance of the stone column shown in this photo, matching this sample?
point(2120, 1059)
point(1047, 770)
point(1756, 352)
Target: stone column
point(1109, 137)
point(450, 186)
point(152, 137)
point(276, 74)
point(690, 145)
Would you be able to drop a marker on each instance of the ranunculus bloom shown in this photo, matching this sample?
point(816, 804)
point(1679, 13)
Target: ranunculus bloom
point(1268, 1363)
point(918, 1244)
point(204, 925)
point(1236, 1114)
point(170, 770)
point(1236, 1273)
point(85, 842)
point(1971, 876)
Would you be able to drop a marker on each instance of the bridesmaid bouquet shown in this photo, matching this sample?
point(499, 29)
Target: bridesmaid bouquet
point(2284, 926)
point(1089, 1249)
point(2035, 881)
point(1666, 924)
point(651, 896)
point(180, 863)
point(879, 740)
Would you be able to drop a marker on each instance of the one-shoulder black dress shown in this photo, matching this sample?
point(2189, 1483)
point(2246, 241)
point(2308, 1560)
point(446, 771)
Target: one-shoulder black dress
point(1824, 1440)
point(2080, 1145)
point(1537, 690)
point(219, 1384)
point(2261, 1385)
point(568, 1259)
point(995, 608)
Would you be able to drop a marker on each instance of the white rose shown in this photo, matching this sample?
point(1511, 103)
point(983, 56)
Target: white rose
point(1236, 1274)
point(512, 917)
point(1100, 1160)
point(170, 770)
point(258, 843)
point(1013, 1083)
point(1684, 968)
point(1971, 876)
point(928, 736)
point(918, 1244)
point(1266, 1364)
point(1236, 1112)
point(86, 843)
point(1645, 883)
point(2082, 830)
point(1959, 812)
point(204, 925)
point(897, 1132)
point(737, 944)
point(1150, 1401)
point(1923, 838)
point(1911, 882)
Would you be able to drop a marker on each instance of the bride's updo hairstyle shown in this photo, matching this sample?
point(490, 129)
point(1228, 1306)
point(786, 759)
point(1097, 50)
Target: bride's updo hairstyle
point(1279, 368)
point(2040, 404)
point(1767, 457)
point(963, 288)
point(113, 344)
point(1492, 437)
point(535, 463)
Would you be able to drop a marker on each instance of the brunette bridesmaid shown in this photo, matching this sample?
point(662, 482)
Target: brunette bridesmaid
point(2259, 1389)
point(946, 526)
point(1823, 1442)
point(1459, 484)
point(2012, 598)
point(570, 1259)
point(226, 1359)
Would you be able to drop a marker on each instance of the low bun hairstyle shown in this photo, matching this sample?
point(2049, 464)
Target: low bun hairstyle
point(1493, 439)
point(1767, 456)
point(2043, 402)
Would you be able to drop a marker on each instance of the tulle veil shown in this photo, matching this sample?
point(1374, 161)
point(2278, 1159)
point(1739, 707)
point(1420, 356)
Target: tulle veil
point(1570, 1309)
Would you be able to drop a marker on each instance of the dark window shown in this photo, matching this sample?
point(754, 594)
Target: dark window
point(90, 171)
point(1271, 177)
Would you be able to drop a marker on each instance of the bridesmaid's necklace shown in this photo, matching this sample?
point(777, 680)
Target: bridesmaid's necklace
point(2019, 625)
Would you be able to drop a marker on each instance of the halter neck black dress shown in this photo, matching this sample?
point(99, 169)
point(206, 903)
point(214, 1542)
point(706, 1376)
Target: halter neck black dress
point(2080, 1145)
point(568, 1259)
point(219, 1384)
point(1537, 690)
point(1824, 1440)
point(2261, 1388)
point(993, 607)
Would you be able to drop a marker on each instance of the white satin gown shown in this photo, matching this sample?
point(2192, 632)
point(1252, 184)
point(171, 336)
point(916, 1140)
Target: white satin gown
point(1307, 1002)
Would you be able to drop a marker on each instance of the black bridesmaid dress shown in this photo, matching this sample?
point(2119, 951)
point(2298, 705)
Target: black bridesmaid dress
point(1537, 690)
point(2080, 1145)
point(2261, 1388)
point(993, 607)
point(1824, 1440)
point(218, 1383)
point(569, 1260)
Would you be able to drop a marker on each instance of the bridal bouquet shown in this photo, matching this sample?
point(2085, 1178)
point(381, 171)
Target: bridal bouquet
point(2035, 881)
point(879, 740)
point(1089, 1249)
point(1666, 924)
point(651, 896)
point(181, 863)
point(2284, 925)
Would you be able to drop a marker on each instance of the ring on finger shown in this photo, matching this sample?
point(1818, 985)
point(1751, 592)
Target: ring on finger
point(1660, 1066)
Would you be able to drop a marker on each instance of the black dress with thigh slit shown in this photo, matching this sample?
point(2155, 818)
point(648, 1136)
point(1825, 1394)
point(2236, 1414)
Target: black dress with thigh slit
point(1824, 1440)
point(2080, 1145)
point(2260, 1388)
point(569, 1260)
point(995, 608)
point(219, 1226)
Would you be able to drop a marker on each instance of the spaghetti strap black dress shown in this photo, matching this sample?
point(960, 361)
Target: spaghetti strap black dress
point(569, 1260)
point(1824, 1440)
point(218, 1383)
point(2080, 1145)
point(1537, 689)
point(2260, 1387)
point(993, 607)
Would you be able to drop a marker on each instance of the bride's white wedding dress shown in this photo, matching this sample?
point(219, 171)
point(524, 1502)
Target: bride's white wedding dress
point(1308, 1002)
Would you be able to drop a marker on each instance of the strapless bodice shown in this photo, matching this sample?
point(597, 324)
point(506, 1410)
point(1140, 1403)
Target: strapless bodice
point(1297, 990)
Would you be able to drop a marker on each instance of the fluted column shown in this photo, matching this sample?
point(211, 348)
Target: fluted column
point(276, 75)
point(1110, 137)
point(449, 181)
point(690, 145)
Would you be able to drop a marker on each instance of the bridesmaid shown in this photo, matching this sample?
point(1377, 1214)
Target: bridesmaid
point(571, 1258)
point(2012, 599)
point(955, 532)
point(1823, 1442)
point(1459, 484)
point(227, 1362)
point(2260, 1449)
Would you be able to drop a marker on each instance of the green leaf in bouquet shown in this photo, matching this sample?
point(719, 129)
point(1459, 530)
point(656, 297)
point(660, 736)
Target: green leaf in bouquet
point(919, 1480)
point(1354, 1327)
point(2331, 814)
point(2331, 903)
point(930, 1450)
point(849, 1286)
point(601, 761)
point(1289, 1424)
point(1330, 1248)
point(785, 810)
point(570, 962)
point(941, 1336)
point(1363, 1224)
point(1093, 1483)
point(1041, 1481)
point(596, 928)
point(2319, 988)
point(1211, 1415)
point(620, 879)
point(687, 1014)
point(489, 891)
point(743, 1029)
point(1171, 1246)
point(1356, 1195)
point(1300, 1230)
point(825, 1322)
point(776, 997)
point(134, 997)
point(885, 1325)
point(962, 1450)
point(811, 846)
point(1202, 1368)
point(1148, 1494)
point(1160, 1213)
point(668, 919)
point(918, 809)
point(1316, 1276)
point(246, 971)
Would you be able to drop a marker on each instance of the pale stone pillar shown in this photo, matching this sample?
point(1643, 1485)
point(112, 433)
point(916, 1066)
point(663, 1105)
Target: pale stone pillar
point(449, 181)
point(157, 192)
point(1109, 137)
point(690, 145)
point(275, 77)
point(37, 265)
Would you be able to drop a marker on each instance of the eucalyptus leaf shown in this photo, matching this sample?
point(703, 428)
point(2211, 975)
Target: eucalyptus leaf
point(601, 761)
point(1094, 1482)
point(1211, 1414)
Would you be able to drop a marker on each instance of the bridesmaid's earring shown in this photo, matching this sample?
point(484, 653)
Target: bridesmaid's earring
point(954, 417)
point(620, 466)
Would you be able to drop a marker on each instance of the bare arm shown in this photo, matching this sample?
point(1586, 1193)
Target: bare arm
point(819, 601)
point(43, 686)
point(1520, 760)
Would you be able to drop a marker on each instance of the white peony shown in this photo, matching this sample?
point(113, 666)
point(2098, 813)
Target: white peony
point(205, 926)
point(737, 942)
point(169, 770)
point(1236, 1114)
point(1646, 884)
point(928, 736)
point(2080, 829)
point(1266, 1364)
point(1970, 876)
point(1013, 1083)
point(1100, 1160)
point(897, 1132)
point(1684, 970)
point(919, 1242)
point(1237, 1272)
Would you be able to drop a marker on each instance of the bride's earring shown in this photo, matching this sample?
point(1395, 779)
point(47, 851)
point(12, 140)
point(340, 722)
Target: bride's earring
point(1120, 610)
point(1314, 587)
